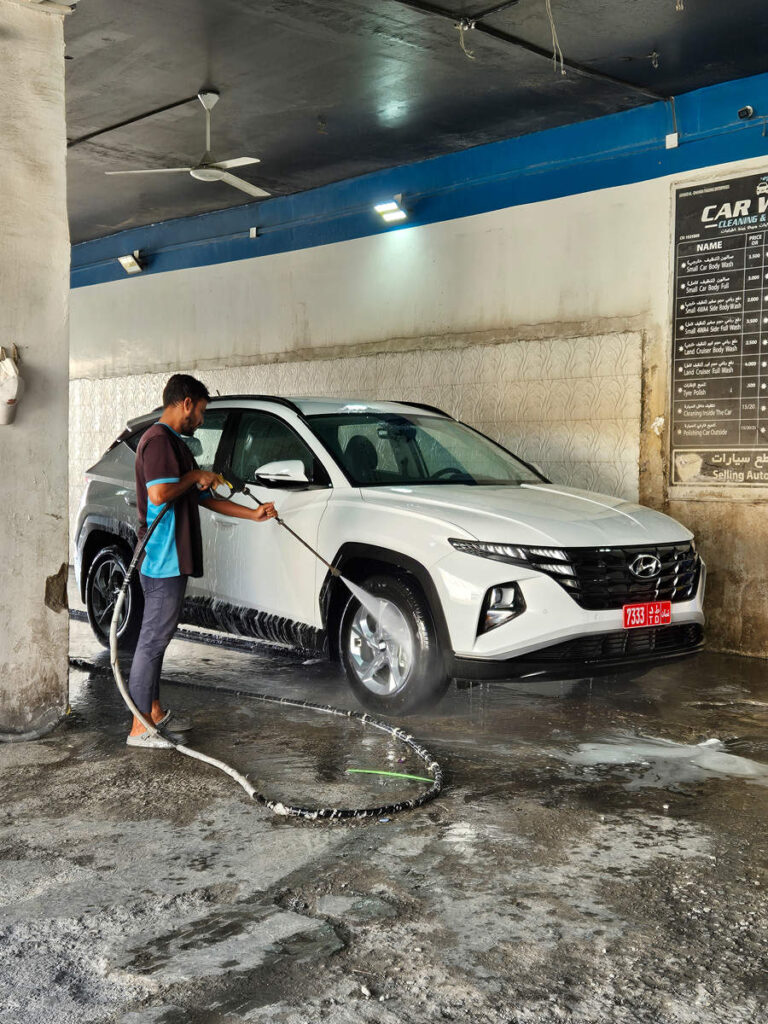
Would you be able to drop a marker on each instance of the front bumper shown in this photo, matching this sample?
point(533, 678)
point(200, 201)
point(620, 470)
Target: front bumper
point(554, 636)
point(589, 656)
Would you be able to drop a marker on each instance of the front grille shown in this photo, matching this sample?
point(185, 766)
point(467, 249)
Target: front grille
point(599, 579)
point(628, 643)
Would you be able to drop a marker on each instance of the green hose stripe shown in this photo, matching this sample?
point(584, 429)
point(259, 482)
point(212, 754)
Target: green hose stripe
point(394, 775)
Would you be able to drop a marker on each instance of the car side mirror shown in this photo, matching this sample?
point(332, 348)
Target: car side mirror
point(287, 471)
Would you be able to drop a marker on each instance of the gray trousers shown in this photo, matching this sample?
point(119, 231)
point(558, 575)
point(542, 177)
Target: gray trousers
point(163, 600)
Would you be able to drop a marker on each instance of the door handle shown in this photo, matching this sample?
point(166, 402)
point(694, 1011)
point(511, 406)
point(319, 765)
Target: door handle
point(130, 499)
point(226, 523)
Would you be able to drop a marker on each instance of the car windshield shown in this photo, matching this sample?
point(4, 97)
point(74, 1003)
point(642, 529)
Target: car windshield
point(378, 449)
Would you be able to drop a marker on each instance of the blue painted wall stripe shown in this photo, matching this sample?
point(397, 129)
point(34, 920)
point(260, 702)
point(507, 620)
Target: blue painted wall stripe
point(619, 149)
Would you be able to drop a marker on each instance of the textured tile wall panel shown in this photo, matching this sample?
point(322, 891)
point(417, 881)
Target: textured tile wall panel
point(571, 405)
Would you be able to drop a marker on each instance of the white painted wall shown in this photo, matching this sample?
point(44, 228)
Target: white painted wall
point(590, 257)
point(34, 270)
point(593, 257)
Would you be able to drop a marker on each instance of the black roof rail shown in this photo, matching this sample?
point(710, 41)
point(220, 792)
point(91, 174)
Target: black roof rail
point(259, 398)
point(429, 408)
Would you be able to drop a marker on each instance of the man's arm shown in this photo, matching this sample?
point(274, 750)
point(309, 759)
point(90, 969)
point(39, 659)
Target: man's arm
point(231, 508)
point(160, 493)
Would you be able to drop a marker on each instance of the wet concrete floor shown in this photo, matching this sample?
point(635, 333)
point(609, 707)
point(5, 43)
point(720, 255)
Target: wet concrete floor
point(595, 856)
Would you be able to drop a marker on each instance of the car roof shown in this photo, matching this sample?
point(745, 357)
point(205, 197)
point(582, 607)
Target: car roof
point(319, 406)
point(309, 406)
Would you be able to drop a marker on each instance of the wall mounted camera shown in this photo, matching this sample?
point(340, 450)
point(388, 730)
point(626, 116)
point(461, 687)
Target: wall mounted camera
point(746, 112)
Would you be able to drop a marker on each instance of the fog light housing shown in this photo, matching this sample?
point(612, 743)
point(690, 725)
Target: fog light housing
point(501, 604)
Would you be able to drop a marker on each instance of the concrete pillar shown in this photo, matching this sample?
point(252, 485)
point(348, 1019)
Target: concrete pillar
point(34, 286)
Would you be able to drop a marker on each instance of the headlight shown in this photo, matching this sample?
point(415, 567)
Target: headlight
point(501, 604)
point(553, 561)
point(487, 549)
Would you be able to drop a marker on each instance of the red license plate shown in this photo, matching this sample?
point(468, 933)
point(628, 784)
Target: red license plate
point(652, 613)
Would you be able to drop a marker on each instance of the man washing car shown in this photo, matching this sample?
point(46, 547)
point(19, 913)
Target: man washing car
point(167, 472)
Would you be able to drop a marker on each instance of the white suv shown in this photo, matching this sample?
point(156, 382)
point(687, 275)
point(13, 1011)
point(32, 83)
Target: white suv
point(493, 571)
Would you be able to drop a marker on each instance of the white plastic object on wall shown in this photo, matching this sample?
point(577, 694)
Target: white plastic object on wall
point(11, 385)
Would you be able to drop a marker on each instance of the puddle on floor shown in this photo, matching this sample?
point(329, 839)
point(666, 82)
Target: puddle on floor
point(661, 763)
point(304, 757)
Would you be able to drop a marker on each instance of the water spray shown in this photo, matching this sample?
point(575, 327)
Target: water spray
point(287, 810)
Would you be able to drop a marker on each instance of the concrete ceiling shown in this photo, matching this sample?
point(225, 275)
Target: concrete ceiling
point(323, 90)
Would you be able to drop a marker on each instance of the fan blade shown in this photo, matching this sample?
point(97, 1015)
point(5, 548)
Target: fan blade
point(238, 161)
point(244, 186)
point(154, 170)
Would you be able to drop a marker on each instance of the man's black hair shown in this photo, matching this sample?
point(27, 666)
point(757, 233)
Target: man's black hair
point(181, 386)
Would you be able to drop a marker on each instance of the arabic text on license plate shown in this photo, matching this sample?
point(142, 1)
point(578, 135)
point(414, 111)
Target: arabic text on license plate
point(652, 613)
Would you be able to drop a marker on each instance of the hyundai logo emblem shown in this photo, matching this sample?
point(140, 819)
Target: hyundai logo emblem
point(645, 567)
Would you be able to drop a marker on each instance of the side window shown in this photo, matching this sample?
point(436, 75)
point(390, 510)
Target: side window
point(205, 441)
point(132, 440)
point(262, 438)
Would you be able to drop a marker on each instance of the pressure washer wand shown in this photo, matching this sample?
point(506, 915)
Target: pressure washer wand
point(236, 485)
point(331, 568)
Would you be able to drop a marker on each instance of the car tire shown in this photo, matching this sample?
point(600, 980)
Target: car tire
point(418, 678)
point(104, 579)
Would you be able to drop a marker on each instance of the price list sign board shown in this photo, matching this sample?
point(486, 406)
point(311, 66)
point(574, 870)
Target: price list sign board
point(719, 401)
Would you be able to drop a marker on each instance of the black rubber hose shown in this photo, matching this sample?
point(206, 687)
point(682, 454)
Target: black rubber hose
point(288, 810)
point(32, 734)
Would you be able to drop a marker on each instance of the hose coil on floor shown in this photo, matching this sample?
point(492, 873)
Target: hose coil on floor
point(278, 807)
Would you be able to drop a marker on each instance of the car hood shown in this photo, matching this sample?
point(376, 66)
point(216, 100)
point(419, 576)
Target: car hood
point(540, 514)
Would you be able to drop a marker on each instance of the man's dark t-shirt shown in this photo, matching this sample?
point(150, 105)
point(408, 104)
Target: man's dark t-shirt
point(175, 548)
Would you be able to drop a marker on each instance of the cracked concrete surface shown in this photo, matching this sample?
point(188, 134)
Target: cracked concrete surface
point(143, 888)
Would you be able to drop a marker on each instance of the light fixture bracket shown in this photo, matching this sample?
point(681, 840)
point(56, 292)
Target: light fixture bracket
point(392, 211)
point(132, 263)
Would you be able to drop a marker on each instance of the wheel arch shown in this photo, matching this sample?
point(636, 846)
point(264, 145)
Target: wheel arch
point(99, 532)
point(357, 561)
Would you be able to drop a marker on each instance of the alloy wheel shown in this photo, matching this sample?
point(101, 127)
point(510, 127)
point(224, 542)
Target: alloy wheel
point(378, 656)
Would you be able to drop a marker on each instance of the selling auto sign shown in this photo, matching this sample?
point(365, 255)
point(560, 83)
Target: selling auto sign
point(719, 401)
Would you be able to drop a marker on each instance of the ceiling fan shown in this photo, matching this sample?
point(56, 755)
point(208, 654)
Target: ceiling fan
point(208, 169)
